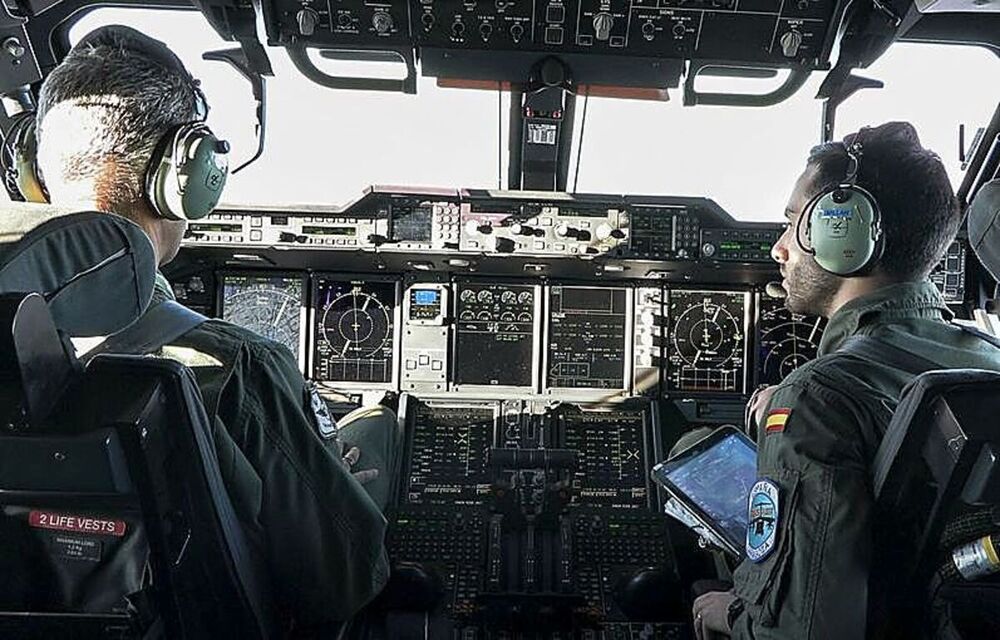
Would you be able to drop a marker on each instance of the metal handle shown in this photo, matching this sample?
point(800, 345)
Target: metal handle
point(793, 83)
point(300, 58)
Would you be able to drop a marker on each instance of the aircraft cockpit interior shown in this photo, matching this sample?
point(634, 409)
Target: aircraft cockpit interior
point(543, 348)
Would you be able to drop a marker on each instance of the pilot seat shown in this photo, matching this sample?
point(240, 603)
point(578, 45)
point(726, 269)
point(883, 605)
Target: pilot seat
point(113, 513)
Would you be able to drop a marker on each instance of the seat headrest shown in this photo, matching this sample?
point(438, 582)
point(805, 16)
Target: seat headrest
point(95, 270)
point(984, 226)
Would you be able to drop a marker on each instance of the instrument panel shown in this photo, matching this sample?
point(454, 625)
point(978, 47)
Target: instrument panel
point(493, 294)
point(486, 337)
point(750, 31)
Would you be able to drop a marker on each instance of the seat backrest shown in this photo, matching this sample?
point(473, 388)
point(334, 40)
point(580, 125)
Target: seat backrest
point(938, 464)
point(112, 506)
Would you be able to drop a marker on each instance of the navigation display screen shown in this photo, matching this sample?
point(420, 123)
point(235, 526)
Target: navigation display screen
point(717, 479)
point(267, 304)
point(355, 323)
point(586, 338)
point(706, 345)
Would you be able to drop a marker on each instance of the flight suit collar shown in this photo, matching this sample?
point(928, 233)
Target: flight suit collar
point(161, 290)
point(907, 299)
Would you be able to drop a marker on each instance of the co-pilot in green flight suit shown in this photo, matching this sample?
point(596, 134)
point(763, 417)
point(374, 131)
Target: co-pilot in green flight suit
point(811, 511)
point(320, 530)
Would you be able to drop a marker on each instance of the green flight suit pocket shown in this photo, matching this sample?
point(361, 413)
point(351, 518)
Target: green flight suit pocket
point(762, 585)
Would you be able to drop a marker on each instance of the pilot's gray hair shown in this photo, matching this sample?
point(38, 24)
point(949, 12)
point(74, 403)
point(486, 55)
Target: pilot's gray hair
point(115, 101)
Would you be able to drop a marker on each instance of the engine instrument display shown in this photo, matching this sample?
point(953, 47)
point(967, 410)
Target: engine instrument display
point(354, 324)
point(586, 338)
point(271, 305)
point(785, 340)
point(707, 340)
point(495, 334)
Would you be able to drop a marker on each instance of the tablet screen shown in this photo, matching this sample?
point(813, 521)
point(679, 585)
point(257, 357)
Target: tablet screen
point(717, 479)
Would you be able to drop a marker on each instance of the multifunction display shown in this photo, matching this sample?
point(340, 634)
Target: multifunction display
point(785, 340)
point(611, 469)
point(586, 338)
point(495, 334)
point(271, 305)
point(707, 345)
point(354, 330)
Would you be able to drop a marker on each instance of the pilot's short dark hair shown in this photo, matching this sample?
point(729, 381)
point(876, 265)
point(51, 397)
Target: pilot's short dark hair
point(920, 214)
point(142, 89)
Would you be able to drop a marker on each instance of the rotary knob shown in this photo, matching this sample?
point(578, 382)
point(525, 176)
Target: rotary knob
point(602, 26)
point(307, 19)
point(522, 229)
point(790, 43)
point(382, 22)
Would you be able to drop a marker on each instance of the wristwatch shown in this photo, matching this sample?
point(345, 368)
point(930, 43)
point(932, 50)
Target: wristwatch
point(735, 609)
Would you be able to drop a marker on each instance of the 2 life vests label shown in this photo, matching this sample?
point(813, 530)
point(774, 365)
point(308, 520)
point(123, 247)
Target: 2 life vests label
point(76, 524)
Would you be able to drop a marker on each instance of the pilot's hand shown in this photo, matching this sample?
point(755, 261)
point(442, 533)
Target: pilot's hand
point(711, 615)
point(350, 459)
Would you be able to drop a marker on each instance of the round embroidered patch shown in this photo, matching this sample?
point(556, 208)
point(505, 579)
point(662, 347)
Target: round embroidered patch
point(762, 530)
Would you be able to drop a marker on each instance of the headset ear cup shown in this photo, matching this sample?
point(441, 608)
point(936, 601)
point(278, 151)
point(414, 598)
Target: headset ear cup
point(22, 154)
point(845, 230)
point(187, 173)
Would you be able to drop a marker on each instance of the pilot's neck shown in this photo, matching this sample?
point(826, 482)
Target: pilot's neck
point(855, 288)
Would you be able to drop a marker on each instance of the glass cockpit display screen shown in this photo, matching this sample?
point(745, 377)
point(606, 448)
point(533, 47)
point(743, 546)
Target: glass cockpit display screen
point(495, 334)
point(354, 326)
point(412, 224)
point(785, 340)
point(270, 305)
point(707, 340)
point(586, 338)
point(717, 479)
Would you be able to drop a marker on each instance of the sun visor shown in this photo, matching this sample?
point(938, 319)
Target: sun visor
point(96, 270)
point(984, 226)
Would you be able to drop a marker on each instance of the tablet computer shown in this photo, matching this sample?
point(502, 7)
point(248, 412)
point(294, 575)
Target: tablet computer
point(712, 479)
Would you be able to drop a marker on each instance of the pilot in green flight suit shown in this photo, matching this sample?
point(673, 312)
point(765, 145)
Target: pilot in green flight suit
point(101, 113)
point(809, 544)
point(318, 519)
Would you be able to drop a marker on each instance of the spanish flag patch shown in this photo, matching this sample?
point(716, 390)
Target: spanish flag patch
point(776, 420)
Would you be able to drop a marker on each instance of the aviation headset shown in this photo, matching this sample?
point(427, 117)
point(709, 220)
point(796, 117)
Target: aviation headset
point(842, 226)
point(189, 166)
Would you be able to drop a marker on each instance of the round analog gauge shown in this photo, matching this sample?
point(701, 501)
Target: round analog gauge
point(524, 297)
point(485, 296)
point(356, 325)
point(468, 295)
point(508, 297)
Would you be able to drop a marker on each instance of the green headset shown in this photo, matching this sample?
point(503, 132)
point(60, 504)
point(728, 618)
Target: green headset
point(188, 169)
point(842, 226)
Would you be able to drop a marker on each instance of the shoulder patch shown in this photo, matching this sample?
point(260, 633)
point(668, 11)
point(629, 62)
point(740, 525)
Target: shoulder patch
point(324, 421)
point(762, 520)
point(776, 420)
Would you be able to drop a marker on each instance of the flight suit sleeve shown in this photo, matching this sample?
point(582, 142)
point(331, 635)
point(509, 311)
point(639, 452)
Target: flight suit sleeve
point(323, 534)
point(806, 573)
